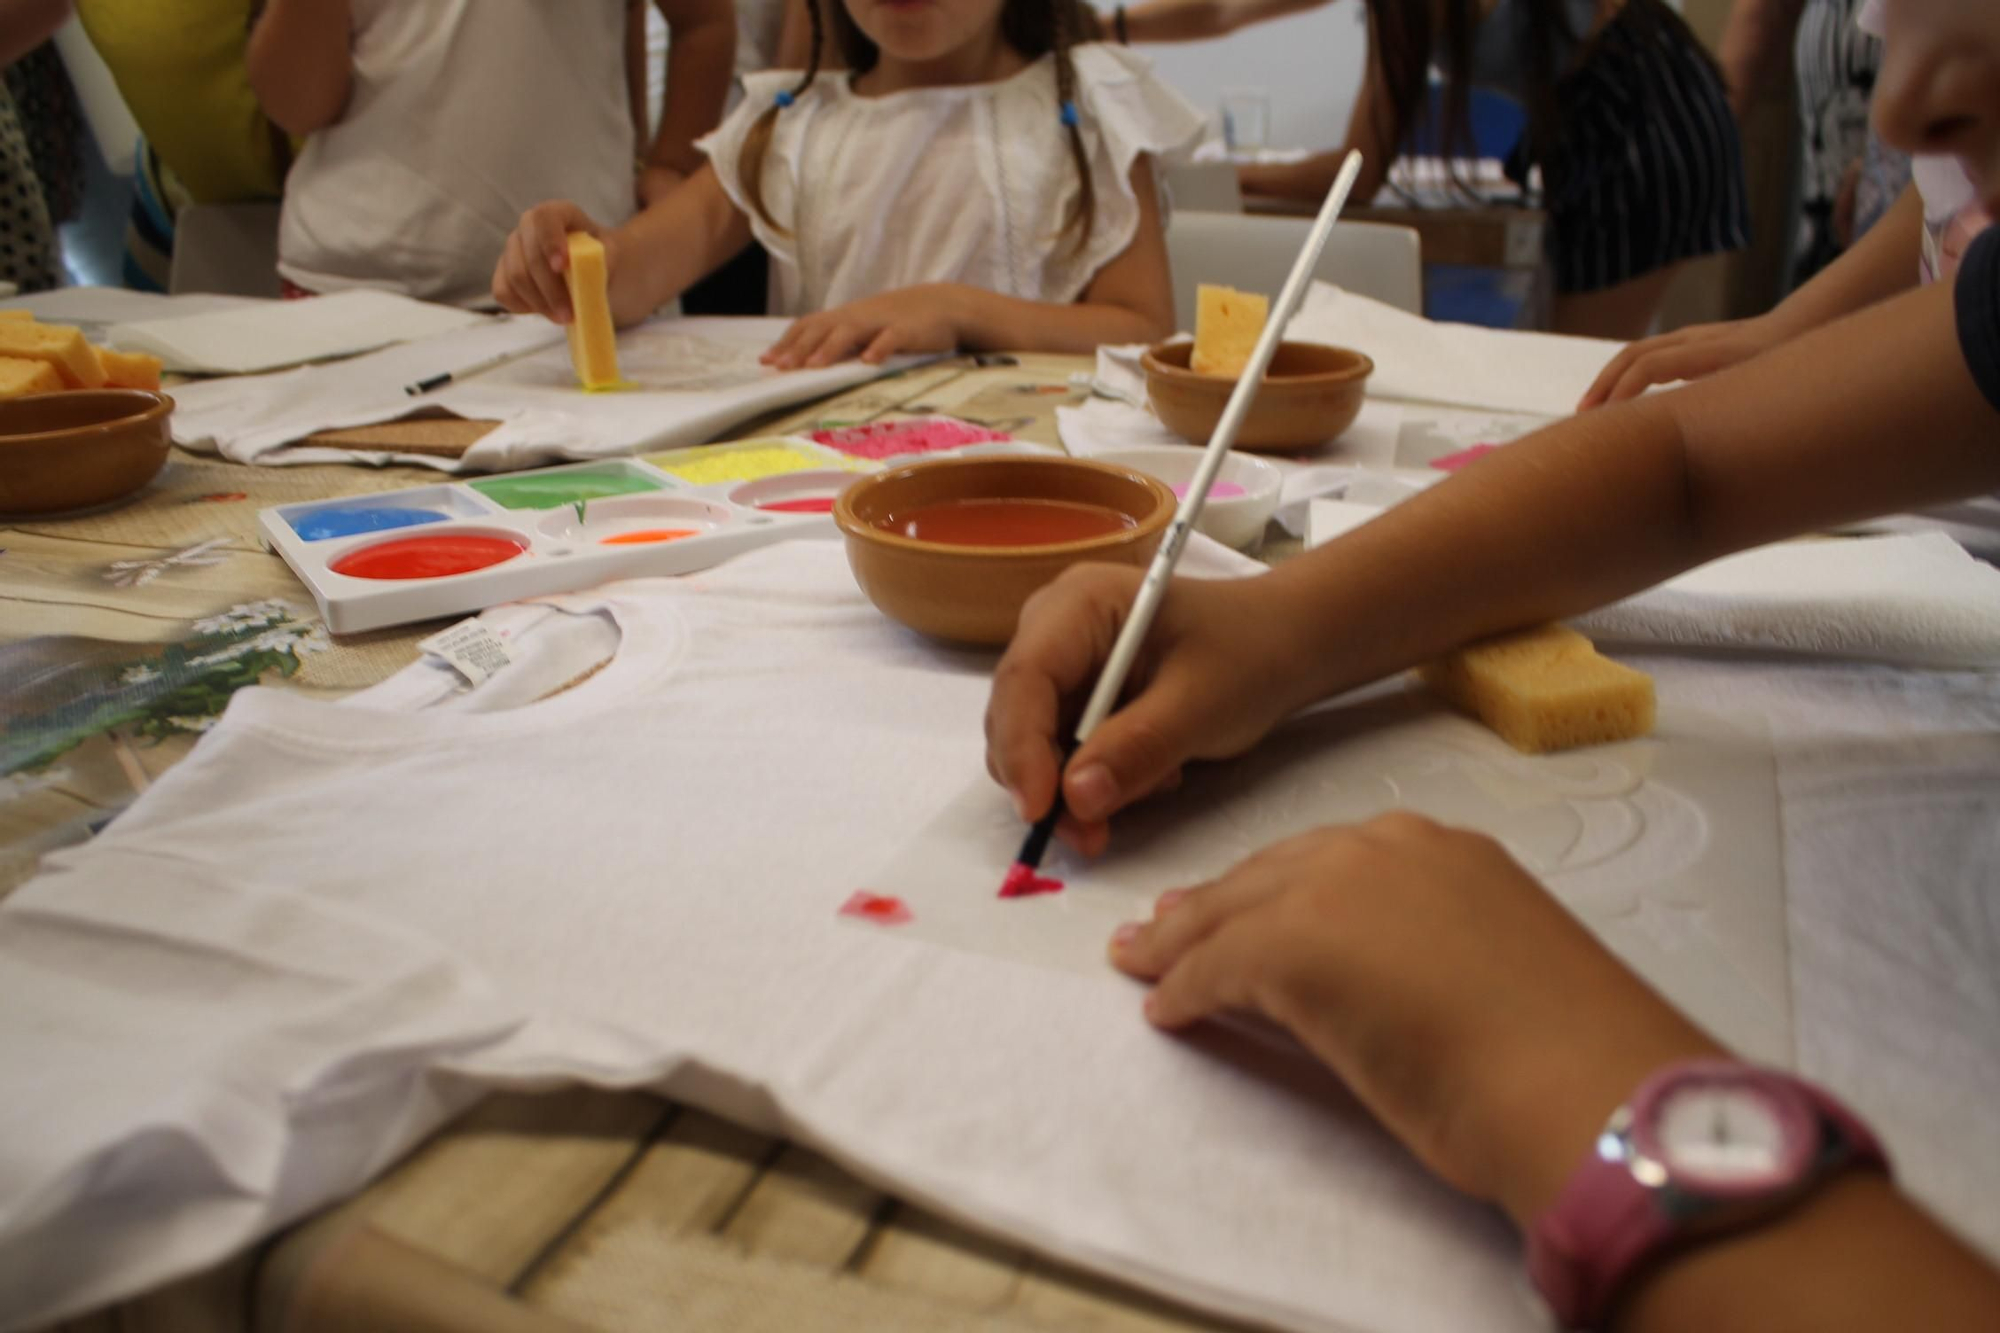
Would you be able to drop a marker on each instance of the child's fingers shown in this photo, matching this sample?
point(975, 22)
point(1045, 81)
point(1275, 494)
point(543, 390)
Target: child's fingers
point(551, 293)
point(1217, 975)
point(886, 344)
point(842, 342)
point(1149, 949)
point(784, 353)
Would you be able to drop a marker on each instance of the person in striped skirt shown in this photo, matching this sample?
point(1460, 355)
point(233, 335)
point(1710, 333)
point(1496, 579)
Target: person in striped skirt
point(1627, 119)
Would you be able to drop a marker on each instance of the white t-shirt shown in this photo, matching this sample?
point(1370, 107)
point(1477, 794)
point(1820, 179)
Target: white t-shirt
point(331, 925)
point(462, 117)
point(1953, 215)
point(964, 184)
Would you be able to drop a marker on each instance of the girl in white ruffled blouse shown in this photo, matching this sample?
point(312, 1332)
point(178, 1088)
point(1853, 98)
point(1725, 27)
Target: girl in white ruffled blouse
point(978, 178)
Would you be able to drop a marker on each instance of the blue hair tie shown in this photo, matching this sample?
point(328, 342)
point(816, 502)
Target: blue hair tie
point(785, 98)
point(1069, 116)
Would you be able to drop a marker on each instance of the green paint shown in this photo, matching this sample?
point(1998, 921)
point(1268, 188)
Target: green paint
point(529, 490)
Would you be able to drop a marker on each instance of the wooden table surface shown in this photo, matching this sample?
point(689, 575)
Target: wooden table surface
point(570, 1209)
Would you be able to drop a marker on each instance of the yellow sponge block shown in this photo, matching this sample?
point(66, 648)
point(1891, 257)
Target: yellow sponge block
point(19, 377)
point(593, 345)
point(1546, 689)
point(130, 370)
point(59, 345)
point(1227, 324)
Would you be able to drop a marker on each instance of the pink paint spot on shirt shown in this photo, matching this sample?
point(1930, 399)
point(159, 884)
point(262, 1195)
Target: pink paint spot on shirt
point(878, 908)
point(888, 439)
point(1453, 462)
point(1023, 882)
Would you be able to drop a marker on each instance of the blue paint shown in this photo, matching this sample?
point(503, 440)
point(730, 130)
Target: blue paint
point(322, 524)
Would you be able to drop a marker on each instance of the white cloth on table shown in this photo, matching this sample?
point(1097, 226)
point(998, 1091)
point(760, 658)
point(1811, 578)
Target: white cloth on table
point(462, 116)
point(965, 184)
point(311, 941)
point(1458, 365)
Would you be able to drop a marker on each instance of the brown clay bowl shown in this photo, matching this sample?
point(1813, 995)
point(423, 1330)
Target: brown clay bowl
point(1310, 395)
point(86, 447)
point(973, 594)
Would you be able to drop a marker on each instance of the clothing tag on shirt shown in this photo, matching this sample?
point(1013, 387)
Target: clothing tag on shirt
point(469, 648)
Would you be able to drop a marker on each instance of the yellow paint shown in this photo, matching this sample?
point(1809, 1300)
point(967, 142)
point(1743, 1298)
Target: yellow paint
point(740, 462)
point(593, 344)
point(1227, 324)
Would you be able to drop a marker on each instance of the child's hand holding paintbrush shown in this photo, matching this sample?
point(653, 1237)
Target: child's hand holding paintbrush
point(1128, 634)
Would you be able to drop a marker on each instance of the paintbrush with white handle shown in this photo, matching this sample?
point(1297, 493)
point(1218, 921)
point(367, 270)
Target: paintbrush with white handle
point(1147, 604)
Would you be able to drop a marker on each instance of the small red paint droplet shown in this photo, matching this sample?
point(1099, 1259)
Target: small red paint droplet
point(1023, 882)
point(222, 497)
point(879, 908)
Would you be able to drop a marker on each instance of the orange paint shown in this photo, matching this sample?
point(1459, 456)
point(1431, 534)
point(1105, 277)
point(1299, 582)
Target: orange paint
point(645, 536)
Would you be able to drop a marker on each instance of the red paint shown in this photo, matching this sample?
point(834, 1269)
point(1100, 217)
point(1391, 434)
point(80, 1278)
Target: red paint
point(879, 908)
point(427, 557)
point(221, 497)
point(1007, 522)
point(818, 504)
point(645, 536)
point(1453, 462)
point(1023, 882)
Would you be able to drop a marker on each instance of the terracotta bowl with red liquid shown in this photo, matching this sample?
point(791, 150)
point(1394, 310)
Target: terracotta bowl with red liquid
point(1310, 394)
point(80, 449)
point(953, 547)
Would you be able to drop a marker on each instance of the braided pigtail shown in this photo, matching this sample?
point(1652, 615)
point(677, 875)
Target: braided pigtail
point(1064, 34)
point(757, 143)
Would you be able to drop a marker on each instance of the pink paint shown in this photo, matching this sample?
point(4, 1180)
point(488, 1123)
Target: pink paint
point(1453, 462)
point(1023, 882)
point(817, 504)
point(879, 908)
point(922, 435)
point(1221, 490)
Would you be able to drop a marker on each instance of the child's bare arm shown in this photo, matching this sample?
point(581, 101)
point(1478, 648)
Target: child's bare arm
point(1873, 414)
point(1130, 300)
point(701, 58)
point(1876, 413)
point(26, 24)
point(652, 259)
point(300, 62)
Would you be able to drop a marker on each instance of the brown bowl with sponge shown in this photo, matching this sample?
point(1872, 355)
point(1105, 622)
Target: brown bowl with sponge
point(77, 450)
point(1310, 394)
point(952, 548)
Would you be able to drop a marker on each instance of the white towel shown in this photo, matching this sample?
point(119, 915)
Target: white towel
point(1913, 600)
point(1916, 600)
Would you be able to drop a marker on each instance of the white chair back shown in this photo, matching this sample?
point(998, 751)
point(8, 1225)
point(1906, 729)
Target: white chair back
point(1255, 254)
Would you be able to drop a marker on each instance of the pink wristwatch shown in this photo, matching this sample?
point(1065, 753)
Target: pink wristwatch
point(1703, 1147)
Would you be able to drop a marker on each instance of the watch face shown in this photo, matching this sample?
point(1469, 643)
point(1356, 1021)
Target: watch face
point(1729, 1136)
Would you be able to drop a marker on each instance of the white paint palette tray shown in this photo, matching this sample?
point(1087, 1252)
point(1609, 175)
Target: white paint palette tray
point(459, 547)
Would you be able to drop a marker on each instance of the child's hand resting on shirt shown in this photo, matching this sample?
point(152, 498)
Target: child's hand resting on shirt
point(1468, 1010)
point(875, 328)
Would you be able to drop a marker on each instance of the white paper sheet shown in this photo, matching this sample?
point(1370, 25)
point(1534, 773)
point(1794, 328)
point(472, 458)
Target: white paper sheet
point(272, 334)
point(1667, 847)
